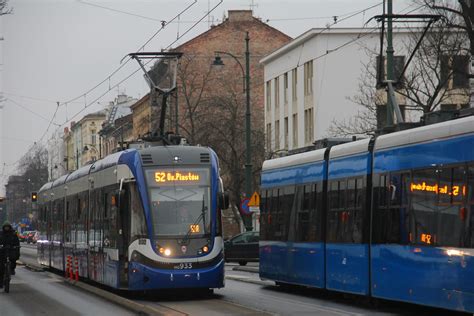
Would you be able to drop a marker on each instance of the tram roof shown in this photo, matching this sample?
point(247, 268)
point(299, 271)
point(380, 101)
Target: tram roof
point(294, 160)
point(46, 186)
point(79, 173)
point(109, 161)
point(426, 133)
point(351, 148)
point(59, 181)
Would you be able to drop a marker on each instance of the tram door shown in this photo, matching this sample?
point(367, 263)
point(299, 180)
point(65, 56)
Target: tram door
point(124, 219)
point(95, 236)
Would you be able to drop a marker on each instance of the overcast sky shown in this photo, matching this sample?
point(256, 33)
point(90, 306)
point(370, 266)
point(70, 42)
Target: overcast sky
point(57, 50)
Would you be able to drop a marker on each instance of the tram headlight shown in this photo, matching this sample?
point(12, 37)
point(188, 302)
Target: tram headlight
point(165, 251)
point(204, 249)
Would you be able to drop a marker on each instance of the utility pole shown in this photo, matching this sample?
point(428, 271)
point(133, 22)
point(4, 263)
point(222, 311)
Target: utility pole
point(248, 159)
point(389, 61)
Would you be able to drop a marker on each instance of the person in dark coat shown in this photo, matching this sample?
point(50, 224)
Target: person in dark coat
point(8, 237)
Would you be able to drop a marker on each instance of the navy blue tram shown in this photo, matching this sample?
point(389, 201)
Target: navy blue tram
point(137, 220)
point(390, 217)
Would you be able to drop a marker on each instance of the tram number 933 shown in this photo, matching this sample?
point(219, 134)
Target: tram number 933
point(184, 266)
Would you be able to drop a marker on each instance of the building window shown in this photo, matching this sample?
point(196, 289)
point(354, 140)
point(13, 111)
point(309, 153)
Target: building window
point(285, 127)
point(308, 78)
point(308, 126)
point(285, 88)
point(455, 68)
point(277, 134)
point(93, 137)
point(269, 95)
point(381, 66)
point(269, 137)
point(294, 84)
point(295, 130)
point(277, 95)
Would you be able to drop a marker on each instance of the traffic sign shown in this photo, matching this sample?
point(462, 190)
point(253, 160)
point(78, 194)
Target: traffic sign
point(255, 199)
point(244, 206)
point(255, 209)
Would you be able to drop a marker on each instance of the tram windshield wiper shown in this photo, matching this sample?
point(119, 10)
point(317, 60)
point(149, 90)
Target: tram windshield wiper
point(202, 217)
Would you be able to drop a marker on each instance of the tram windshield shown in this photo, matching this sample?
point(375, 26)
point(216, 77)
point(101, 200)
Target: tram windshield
point(179, 202)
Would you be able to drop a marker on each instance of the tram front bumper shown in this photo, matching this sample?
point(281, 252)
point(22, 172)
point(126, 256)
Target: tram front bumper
point(142, 277)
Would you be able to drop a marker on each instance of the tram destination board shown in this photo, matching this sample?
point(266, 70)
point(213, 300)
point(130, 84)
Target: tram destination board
point(182, 176)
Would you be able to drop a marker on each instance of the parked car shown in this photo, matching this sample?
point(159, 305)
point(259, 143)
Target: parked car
point(242, 248)
point(32, 237)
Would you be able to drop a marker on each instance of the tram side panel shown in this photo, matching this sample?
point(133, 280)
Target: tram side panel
point(423, 211)
point(291, 245)
point(347, 249)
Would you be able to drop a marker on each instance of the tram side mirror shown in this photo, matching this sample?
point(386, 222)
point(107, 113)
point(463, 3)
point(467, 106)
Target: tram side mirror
point(224, 201)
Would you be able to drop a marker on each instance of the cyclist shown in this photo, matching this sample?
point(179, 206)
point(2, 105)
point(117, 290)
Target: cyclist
point(8, 237)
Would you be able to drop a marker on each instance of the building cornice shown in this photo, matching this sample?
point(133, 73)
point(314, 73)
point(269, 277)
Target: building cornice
point(306, 36)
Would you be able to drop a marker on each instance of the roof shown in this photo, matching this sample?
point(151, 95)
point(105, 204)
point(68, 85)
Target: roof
point(306, 36)
point(230, 20)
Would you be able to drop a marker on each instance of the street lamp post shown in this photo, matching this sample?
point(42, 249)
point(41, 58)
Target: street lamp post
point(246, 76)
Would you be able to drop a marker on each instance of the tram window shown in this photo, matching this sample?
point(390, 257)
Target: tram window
point(423, 207)
point(470, 187)
point(351, 193)
point(342, 194)
point(382, 191)
point(138, 223)
point(334, 195)
point(359, 189)
point(287, 207)
point(450, 193)
point(110, 221)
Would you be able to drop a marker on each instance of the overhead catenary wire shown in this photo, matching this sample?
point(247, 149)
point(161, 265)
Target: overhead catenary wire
point(27, 109)
point(126, 78)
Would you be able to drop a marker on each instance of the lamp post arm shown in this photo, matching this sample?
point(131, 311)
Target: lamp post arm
point(238, 62)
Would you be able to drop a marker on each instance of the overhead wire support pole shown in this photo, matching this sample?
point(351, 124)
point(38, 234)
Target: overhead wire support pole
point(392, 104)
point(390, 52)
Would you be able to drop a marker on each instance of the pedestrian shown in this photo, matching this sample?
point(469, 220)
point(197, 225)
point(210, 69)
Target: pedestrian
point(8, 237)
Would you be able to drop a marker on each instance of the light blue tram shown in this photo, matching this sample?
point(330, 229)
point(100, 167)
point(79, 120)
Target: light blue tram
point(390, 217)
point(137, 220)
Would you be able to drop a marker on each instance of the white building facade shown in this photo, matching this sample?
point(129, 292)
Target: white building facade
point(309, 82)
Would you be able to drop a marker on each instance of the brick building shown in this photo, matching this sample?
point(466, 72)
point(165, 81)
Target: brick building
point(212, 103)
point(201, 88)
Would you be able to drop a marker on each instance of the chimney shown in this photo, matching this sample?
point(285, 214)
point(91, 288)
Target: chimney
point(240, 15)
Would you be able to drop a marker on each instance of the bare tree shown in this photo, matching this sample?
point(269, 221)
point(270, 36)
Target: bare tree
point(4, 7)
point(193, 85)
point(34, 167)
point(212, 113)
point(425, 85)
point(224, 132)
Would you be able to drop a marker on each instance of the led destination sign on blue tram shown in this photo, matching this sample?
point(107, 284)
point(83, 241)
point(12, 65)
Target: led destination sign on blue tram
point(169, 177)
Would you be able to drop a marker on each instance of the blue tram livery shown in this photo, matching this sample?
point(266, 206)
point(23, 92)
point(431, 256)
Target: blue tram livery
point(390, 217)
point(137, 220)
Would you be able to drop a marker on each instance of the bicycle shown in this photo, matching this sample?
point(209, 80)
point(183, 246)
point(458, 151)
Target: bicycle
point(7, 268)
